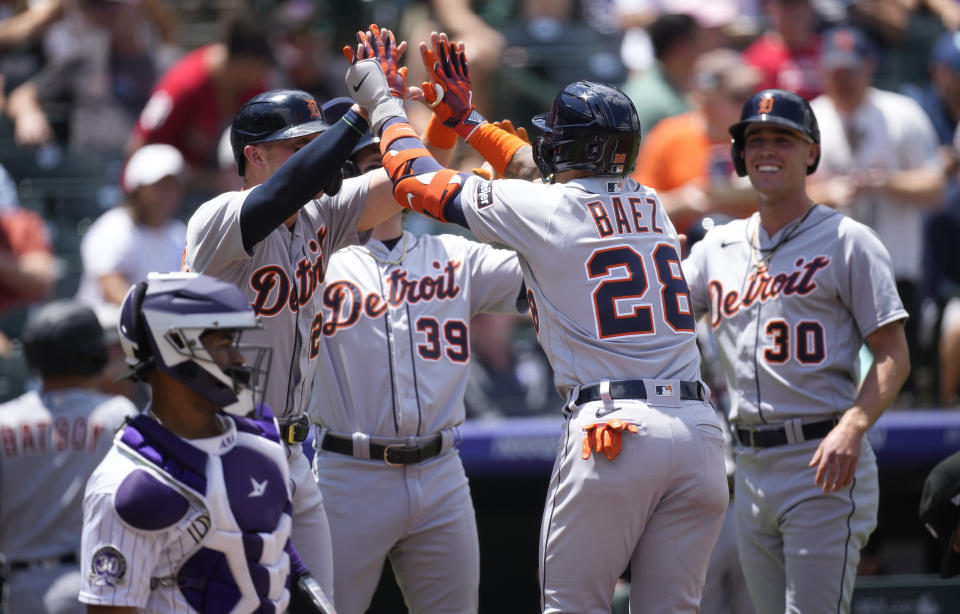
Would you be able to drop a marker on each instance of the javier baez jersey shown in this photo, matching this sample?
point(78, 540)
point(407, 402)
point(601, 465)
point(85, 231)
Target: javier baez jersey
point(790, 312)
point(601, 262)
point(280, 277)
point(405, 313)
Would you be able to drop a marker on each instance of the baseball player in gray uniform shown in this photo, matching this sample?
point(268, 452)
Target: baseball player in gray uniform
point(273, 240)
point(392, 481)
point(639, 477)
point(792, 293)
point(190, 509)
point(50, 442)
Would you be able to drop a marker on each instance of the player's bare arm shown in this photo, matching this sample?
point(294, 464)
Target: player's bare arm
point(836, 457)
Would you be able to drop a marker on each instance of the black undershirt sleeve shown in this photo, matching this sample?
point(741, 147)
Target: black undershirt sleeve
point(299, 179)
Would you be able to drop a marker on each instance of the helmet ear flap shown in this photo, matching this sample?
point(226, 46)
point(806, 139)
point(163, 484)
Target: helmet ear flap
point(736, 154)
point(142, 353)
point(543, 155)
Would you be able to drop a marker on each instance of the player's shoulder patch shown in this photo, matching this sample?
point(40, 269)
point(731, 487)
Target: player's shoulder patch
point(108, 567)
point(146, 503)
point(484, 194)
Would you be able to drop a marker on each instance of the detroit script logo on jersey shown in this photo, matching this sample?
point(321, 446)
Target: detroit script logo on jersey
point(275, 290)
point(346, 300)
point(762, 287)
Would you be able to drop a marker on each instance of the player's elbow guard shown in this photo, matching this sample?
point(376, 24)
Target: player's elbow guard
point(426, 191)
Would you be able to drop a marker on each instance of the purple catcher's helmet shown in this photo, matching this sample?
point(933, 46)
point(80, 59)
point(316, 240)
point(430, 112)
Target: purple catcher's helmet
point(162, 320)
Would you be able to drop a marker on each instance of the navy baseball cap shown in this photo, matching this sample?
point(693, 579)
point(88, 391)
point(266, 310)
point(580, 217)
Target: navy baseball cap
point(947, 50)
point(940, 510)
point(844, 47)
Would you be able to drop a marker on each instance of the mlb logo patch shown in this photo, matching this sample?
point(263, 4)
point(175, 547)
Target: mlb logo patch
point(663, 390)
point(614, 186)
point(484, 194)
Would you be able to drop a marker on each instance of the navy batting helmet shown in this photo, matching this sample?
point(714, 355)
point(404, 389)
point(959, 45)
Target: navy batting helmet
point(162, 320)
point(64, 338)
point(272, 116)
point(778, 107)
point(591, 126)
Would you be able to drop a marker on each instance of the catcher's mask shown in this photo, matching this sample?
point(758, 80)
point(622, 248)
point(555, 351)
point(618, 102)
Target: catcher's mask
point(162, 322)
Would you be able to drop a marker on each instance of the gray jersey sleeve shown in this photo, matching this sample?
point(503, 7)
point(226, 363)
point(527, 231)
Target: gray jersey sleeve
point(870, 291)
point(515, 213)
point(214, 240)
point(496, 279)
point(341, 213)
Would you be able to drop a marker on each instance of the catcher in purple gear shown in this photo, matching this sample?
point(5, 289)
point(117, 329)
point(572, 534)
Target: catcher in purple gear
point(190, 510)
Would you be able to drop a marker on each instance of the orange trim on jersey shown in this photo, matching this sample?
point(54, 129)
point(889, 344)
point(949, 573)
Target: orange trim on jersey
point(431, 198)
point(497, 146)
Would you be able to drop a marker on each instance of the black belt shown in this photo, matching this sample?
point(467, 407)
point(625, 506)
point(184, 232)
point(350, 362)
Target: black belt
point(635, 389)
point(45, 562)
point(767, 437)
point(296, 431)
point(406, 453)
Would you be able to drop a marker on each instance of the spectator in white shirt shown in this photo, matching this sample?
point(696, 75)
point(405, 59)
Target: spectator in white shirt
point(139, 236)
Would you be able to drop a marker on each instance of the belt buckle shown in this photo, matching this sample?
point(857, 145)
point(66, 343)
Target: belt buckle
point(386, 453)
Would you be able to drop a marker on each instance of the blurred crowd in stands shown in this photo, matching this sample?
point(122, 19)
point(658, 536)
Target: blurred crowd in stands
point(113, 115)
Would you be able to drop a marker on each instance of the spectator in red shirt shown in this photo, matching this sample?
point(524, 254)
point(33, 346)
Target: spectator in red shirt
point(788, 52)
point(198, 96)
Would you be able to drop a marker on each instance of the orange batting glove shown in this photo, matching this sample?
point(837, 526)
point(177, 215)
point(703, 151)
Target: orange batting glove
point(606, 437)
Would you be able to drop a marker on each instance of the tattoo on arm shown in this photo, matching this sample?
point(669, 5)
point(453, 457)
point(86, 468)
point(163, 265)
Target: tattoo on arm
point(522, 165)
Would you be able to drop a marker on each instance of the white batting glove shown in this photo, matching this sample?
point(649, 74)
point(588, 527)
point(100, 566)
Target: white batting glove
point(368, 87)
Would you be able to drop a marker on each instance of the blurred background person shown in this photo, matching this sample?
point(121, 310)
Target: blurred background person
point(28, 265)
point(686, 158)
point(880, 165)
point(103, 60)
point(195, 100)
point(51, 440)
point(787, 53)
point(662, 90)
point(139, 236)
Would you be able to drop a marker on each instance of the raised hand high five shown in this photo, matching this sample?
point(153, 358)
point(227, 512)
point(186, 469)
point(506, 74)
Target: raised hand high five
point(449, 92)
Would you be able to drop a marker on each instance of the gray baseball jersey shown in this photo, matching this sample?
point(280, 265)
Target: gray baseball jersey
point(280, 277)
point(791, 314)
point(403, 315)
point(601, 262)
point(409, 322)
point(50, 443)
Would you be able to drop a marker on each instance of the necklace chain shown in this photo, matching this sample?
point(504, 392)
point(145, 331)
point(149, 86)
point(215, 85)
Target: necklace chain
point(761, 260)
point(403, 254)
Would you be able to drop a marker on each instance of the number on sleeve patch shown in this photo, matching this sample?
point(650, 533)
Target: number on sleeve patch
point(108, 567)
